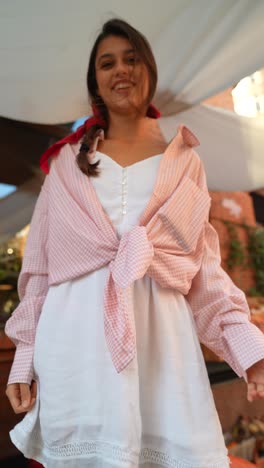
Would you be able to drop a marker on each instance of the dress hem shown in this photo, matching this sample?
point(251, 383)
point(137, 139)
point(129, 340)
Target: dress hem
point(109, 453)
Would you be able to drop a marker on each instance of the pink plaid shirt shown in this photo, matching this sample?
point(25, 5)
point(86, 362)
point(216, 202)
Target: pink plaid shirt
point(174, 243)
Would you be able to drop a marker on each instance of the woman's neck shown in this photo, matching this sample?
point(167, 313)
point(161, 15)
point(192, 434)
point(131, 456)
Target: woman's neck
point(127, 128)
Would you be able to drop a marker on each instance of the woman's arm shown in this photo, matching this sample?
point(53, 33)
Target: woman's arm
point(32, 290)
point(221, 311)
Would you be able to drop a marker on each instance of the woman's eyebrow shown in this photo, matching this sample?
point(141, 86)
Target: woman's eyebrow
point(108, 55)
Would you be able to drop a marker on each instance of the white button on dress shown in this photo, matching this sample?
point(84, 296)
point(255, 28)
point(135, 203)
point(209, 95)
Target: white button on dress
point(159, 412)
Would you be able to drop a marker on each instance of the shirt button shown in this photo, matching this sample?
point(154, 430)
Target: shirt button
point(124, 191)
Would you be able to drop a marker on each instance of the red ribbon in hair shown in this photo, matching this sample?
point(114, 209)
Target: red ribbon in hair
point(78, 134)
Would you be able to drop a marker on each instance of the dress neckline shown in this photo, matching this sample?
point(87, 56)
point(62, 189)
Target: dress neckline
point(129, 165)
point(181, 141)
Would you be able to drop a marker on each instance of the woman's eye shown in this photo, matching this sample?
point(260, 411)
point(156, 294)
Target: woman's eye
point(106, 65)
point(132, 60)
point(129, 60)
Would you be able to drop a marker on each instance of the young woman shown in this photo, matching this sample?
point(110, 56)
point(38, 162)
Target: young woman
point(121, 278)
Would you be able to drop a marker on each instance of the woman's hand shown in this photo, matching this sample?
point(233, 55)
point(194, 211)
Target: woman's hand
point(255, 376)
point(22, 396)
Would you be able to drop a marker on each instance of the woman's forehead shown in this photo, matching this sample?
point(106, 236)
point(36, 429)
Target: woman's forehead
point(114, 45)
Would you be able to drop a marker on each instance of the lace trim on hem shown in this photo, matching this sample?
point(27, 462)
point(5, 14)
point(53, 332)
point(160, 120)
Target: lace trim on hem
point(106, 450)
point(115, 453)
point(165, 460)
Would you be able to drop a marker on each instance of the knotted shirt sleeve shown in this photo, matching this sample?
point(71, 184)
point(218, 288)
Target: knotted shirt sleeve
point(32, 290)
point(221, 311)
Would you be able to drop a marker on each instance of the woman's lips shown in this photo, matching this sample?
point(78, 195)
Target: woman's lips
point(122, 87)
point(122, 90)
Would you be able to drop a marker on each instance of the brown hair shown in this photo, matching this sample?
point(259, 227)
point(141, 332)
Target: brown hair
point(113, 27)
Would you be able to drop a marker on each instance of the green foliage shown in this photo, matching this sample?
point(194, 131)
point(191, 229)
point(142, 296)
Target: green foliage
point(250, 256)
point(237, 254)
point(10, 263)
point(256, 256)
point(10, 266)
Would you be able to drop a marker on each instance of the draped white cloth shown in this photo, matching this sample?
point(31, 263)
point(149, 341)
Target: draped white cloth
point(231, 145)
point(201, 48)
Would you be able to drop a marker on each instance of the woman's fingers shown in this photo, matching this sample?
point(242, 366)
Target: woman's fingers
point(254, 391)
point(25, 395)
point(251, 391)
point(260, 389)
point(33, 390)
point(21, 396)
point(13, 394)
point(28, 395)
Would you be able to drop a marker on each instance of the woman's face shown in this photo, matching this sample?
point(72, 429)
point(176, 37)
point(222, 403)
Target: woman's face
point(122, 77)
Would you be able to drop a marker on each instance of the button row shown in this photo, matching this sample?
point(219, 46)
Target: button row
point(124, 190)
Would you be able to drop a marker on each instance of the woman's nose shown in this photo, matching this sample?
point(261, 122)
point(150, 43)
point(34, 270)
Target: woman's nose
point(121, 67)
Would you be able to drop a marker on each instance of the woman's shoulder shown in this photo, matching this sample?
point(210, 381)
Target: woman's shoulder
point(59, 151)
point(187, 142)
point(191, 160)
point(66, 154)
point(191, 163)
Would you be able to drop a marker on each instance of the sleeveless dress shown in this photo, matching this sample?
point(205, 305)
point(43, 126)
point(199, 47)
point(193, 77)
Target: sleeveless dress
point(159, 412)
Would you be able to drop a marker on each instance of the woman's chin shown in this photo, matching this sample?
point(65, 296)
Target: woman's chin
point(125, 109)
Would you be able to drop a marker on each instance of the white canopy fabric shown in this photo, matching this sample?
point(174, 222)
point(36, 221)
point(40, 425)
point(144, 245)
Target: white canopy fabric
point(201, 48)
point(231, 146)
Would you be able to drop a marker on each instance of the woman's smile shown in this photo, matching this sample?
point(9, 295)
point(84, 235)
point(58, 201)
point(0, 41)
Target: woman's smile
point(123, 87)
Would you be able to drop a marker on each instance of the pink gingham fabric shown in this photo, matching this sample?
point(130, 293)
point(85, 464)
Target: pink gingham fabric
point(173, 243)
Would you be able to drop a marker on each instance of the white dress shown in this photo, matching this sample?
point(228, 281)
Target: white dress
point(159, 412)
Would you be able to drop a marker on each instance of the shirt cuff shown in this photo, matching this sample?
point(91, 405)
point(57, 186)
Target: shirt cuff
point(22, 367)
point(244, 346)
